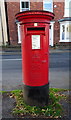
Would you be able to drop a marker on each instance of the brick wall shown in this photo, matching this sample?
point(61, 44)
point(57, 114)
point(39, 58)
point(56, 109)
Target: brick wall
point(12, 9)
point(36, 6)
point(59, 13)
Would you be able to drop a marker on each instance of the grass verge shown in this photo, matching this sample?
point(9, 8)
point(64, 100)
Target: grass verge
point(52, 110)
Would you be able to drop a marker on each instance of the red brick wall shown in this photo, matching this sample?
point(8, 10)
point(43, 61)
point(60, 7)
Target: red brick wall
point(59, 13)
point(36, 6)
point(12, 9)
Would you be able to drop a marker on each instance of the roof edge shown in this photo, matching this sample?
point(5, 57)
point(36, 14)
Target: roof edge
point(65, 19)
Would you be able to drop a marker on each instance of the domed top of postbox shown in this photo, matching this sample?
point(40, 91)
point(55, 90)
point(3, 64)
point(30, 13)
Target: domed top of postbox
point(34, 16)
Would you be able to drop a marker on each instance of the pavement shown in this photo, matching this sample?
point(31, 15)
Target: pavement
point(19, 50)
point(7, 104)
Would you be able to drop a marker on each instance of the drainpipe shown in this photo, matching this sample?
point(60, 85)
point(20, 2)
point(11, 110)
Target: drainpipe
point(7, 23)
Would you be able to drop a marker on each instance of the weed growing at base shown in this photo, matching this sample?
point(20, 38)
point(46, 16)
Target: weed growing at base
point(53, 109)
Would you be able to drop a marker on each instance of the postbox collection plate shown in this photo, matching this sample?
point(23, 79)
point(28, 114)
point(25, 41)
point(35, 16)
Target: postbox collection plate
point(35, 41)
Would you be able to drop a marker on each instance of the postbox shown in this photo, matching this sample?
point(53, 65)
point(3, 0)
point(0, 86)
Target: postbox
point(34, 27)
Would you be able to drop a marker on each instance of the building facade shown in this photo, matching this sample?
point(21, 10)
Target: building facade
point(3, 24)
point(60, 27)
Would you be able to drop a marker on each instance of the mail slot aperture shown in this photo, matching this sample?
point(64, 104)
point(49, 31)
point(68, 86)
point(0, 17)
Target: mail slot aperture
point(39, 30)
point(36, 29)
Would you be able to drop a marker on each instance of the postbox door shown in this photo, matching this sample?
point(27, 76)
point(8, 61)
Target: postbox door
point(39, 59)
point(35, 50)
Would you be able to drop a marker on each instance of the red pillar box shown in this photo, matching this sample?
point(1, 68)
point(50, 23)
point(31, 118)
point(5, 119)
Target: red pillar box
point(35, 55)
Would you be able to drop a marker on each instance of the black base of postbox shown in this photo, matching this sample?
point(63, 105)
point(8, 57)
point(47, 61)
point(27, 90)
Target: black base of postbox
point(37, 96)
